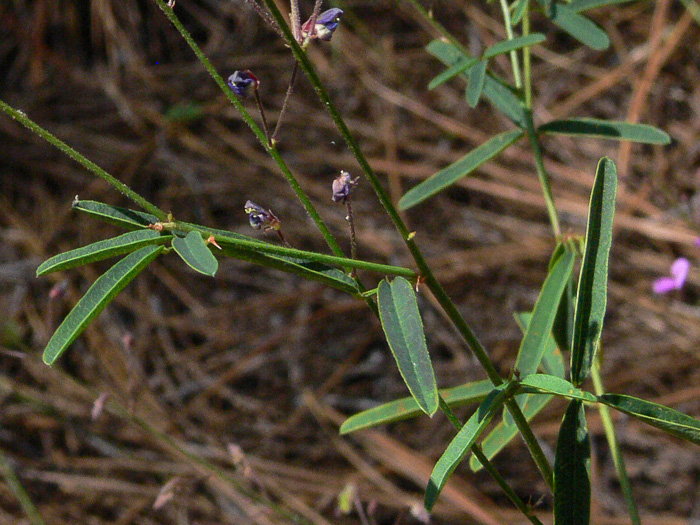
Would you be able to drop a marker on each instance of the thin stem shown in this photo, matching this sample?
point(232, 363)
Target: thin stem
point(283, 239)
point(295, 19)
point(351, 220)
point(527, 58)
point(478, 453)
point(513, 54)
point(274, 249)
point(287, 96)
point(266, 128)
point(88, 164)
point(615, 451)
point(423, 268)
point(542, 173)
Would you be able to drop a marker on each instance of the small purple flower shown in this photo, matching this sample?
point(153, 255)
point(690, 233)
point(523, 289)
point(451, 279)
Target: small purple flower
point(697, 241)
point(260, 218)
point(325, 26)
point(679, 273)
point(241, 82)
point(342, 185)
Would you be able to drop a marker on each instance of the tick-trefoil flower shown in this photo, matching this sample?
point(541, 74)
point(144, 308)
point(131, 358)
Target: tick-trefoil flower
point(679, 273)
point(260, 218)
point(325, 26)
point(342, 185)
point(243, 82)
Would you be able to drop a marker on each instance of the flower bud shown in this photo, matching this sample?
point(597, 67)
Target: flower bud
point(342, 185)
point(326, 24)
point(241, 82)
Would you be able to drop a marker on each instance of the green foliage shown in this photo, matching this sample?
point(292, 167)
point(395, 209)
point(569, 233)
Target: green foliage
point(463, 441)
point(579, 27)
point(102, 291)
point(477, 77)
point(128, 219)
point(407, 407)
point(592, 295)
point(101, 250)
point(461, 168)
point(572, 466)
point(196, 254)
point(607, 129)
point(403, 327)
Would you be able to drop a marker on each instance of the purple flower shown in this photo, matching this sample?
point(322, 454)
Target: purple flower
point(241, 82)
point(697, 241)
point(679, 273)
point(342, 185)
point(261, 218)
point(326, 24)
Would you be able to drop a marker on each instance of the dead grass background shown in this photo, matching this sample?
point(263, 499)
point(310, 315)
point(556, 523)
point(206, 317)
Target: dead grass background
point(253, 371)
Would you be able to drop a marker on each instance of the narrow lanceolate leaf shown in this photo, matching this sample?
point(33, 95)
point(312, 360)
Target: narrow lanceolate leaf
point(407, 407)
point(518, 11)
point(503, 433)
point(463, 167)
point(196, 254)
point(506, 46)
point(98, 251)
point(579, 27)
point(585, 5)
point(607, 129)
point(461, 66)
point(547, 384)
point(462, 442)
point(403, 327)
point(572, 464)
point(592, 295)
point(103, 290)
point(129, 219)
point(659, 416)
point(552, 360)
point(499, 94)
point(539, 328)
point(477, 77)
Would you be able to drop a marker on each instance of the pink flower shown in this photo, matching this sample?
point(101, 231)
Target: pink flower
point(679, 273)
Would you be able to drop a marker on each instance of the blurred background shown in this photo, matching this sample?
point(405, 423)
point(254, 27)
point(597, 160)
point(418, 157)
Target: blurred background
point(222, 397)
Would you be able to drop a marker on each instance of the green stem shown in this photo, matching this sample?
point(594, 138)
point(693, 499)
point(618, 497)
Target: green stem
point(88, 164)
point(527, 58)
point(275, 249)
point(542, 173)
point(513, 54)
point(15, 485)
point(423, 268)
point(476, 450)
point(614, 445)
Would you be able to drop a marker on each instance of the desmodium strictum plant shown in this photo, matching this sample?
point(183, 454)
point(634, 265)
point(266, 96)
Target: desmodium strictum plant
point(566, 320)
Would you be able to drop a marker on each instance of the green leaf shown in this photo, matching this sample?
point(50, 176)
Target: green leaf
point(499, 94)
point(196, 253)
point(477, 77)
point(579, 27)
point(407, 407)
point(455, 69)
point(592, 295)
point(463, 167)
point(98, 251)
point(462, 442)
point(506, 46)
point(518, 11)
point(129, 219)
point(552, 360)
point(403, 327)
point(503, 433)
point(659, 416)
point(563, 327)
point(585, 5)
point(607, 129)
point(547, 384)
point(102, 291)
point(572, 465)
point(539, 329)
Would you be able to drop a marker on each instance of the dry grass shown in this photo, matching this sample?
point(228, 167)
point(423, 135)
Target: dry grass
point(225, 395)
